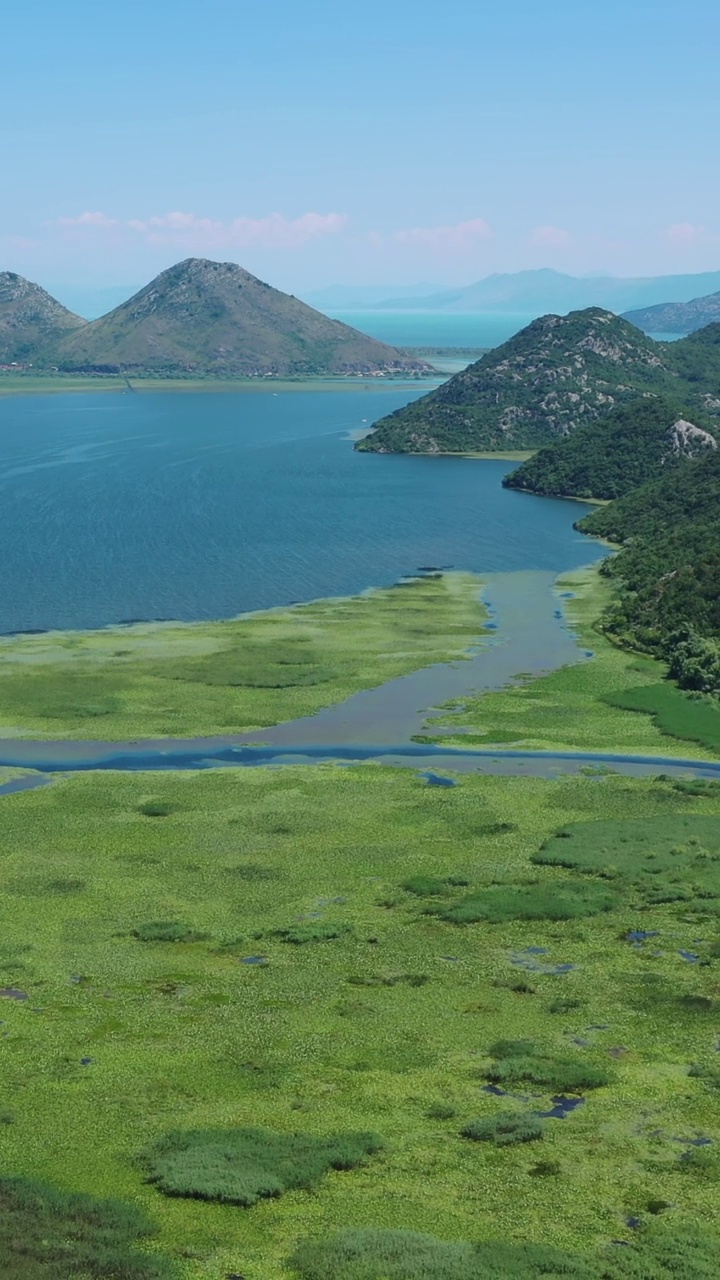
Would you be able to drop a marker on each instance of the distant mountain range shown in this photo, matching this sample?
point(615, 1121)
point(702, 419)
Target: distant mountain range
point(551, 378)
point(364, 297)
point(31, 322)
point(538, 292)
point(677, 317)
point(198, 318)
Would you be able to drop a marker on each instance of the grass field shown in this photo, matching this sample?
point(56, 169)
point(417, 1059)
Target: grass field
point(168, 679)
point(616, 702)
point(361, 1011)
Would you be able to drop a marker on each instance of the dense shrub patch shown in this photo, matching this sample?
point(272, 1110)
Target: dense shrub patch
point(667, 859)
point(47, 1234)
point(242, 1166)
point(506, 1129)
point(568, 900)
point(300, 934)
point(658, 1252)
point(167, 931)
point(522, 1062)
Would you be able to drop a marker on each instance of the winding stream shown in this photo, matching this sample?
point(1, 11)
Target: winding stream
point(528, 635)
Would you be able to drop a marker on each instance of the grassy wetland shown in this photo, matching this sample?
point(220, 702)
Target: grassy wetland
point(209, 963)
point(618, 700)
point(335, 1023)
point(167, 679)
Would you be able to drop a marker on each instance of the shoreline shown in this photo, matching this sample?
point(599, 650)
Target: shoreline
point(19, 386)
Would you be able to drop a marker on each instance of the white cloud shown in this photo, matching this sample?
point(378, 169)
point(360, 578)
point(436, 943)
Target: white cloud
point(89, 220)
point(191, 231)
point(554, 237)
point(684, 233)
point(458, 236)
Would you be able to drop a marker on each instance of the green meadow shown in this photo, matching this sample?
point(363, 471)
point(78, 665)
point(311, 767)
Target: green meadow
point(334, 1023)
point(260, 1016)
point(616, 701)
point(175, 679)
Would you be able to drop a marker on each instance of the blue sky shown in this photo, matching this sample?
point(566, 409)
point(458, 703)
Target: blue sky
point(323, 142)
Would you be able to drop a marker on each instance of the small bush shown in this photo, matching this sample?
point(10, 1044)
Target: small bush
point(522, 1062)
point(47, 1234)
point(242, 1166)
point(441, 1111)
point(251, 871)
point(155, 809)
point(702, 1163)
point(546, 1169)
point(301, 934)
point(564, 1004)
point(167, 931)
point(520, 986)
point(710, 1075)
point(425, 886)
point(389, 980)
point(507, 1129)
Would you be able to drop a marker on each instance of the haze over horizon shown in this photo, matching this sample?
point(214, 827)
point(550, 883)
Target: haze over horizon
point(317, 149)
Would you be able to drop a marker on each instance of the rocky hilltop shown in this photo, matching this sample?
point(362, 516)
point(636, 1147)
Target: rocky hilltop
point(677, 317)
point(207, 318)
point(557, 373)
point(31, 321)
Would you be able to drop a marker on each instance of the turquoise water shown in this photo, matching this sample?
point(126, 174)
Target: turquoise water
point(430, 329)
point(127, 506)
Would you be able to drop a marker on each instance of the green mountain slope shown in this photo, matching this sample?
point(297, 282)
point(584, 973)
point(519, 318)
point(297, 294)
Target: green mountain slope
point(668, 569)
point(677, 317)
point(534, 389)
point(31, 320)
point(619, 452)
point(214, 318)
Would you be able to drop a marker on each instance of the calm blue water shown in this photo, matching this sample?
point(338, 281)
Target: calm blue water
point(431, 329)
point(171, 505)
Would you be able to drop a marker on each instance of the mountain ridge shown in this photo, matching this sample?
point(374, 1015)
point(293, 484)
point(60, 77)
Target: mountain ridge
point(31, 320)
point(546, 290)
point(197, 318)
point(215, 318)
point(556, 373)
point(677, 317)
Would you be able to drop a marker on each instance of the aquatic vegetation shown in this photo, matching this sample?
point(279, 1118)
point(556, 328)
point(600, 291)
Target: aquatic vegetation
point(668, 859)
point(441, 1111)
point(551, 901)
point(167, 931)
point(591, 705)
point(301, 934)
point(49, 1234)
point(227, 677)
point(423, 886)
point(346, 1036)
point(522, 1062)
point(242, 1166)
point(676, 714)
point(506, 1129)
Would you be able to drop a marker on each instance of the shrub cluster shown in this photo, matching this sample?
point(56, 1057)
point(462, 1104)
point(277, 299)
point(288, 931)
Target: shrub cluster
point(522, 1062)
point(506, 1129)
point(47, 1234)
point(242, 1166)
point(569, 900)
point(167, 931)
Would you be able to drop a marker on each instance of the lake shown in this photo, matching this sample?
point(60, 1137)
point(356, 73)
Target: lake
point(436, 329)
point(123, 506)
